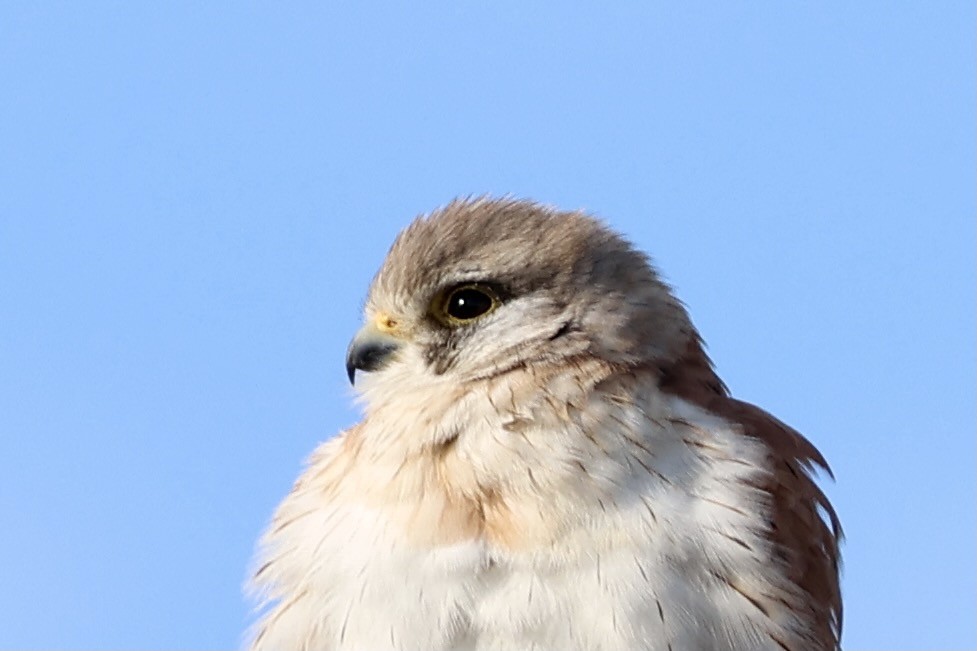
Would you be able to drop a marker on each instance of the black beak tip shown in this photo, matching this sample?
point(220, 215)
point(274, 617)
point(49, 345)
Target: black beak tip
point(368, 356)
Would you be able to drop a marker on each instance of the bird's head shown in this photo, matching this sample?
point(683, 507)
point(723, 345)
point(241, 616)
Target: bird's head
point(480, 288)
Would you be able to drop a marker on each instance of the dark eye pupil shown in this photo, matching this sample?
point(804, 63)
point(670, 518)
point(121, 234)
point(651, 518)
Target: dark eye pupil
point(468, 303)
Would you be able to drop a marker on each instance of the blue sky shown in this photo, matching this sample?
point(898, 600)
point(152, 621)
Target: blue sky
point(194, 197)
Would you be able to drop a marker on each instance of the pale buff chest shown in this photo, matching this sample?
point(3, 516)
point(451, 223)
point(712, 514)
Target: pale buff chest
point(634, 527)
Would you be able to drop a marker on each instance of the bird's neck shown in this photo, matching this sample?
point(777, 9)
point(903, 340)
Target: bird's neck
point(487, 457)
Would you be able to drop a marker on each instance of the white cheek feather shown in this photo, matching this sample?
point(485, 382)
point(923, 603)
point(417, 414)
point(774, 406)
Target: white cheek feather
point(615, 516)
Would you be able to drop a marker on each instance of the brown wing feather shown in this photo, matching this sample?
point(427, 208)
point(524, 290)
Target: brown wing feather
point(808, 542)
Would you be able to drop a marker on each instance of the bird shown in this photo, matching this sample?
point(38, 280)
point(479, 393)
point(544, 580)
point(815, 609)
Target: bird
point(546, 460)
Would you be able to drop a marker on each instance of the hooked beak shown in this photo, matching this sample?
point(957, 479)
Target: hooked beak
point(370, 349)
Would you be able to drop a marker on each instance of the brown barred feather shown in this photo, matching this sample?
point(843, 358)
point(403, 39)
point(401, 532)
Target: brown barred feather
point(808, 542)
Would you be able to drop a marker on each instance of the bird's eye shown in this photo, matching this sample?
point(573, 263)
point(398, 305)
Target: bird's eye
point(467, 302)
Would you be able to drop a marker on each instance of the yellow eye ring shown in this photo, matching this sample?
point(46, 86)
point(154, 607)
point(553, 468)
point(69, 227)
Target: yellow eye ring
point(465, 303)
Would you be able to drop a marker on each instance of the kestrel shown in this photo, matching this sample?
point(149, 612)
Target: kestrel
point(547, 460)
